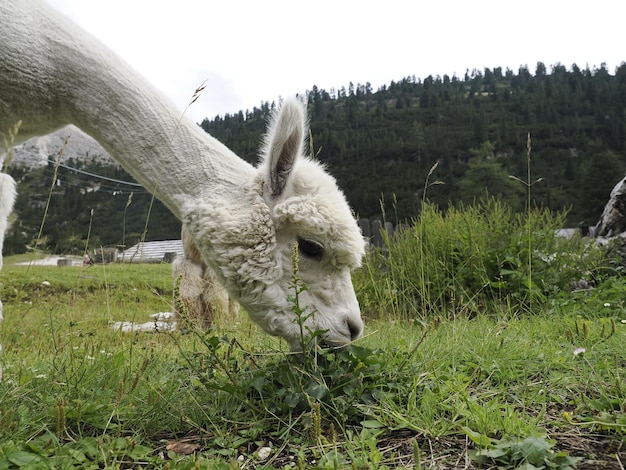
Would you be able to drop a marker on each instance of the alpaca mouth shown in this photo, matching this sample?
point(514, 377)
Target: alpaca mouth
point(340, 342)
point(334, 345)
point(345, 337)
point(323, 341)
point(323, 344)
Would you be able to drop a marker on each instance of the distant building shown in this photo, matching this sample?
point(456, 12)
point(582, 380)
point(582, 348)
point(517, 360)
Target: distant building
point(152, 252)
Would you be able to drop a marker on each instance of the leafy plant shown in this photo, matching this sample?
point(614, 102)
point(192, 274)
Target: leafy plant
point(523, 454)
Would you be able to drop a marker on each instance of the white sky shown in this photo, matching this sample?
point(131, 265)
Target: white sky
point(250, 51)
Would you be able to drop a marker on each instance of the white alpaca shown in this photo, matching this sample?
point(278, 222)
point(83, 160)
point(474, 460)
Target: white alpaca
point(244, 220)
point(7, 199)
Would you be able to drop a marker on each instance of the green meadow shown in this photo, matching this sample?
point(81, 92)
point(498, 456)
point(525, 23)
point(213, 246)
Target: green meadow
point(490, 343)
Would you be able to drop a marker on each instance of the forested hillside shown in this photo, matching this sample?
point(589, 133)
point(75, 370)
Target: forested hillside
point(382, 144)
point(476, 127)
point(81, 207)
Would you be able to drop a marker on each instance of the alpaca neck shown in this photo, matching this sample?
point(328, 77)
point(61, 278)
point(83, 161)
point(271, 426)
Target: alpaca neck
point(52, 73)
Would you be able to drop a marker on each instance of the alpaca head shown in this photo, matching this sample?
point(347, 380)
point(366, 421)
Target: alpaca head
point(308, 210)
point(249, 239)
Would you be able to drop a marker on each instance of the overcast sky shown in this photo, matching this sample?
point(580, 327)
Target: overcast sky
point(251, 51)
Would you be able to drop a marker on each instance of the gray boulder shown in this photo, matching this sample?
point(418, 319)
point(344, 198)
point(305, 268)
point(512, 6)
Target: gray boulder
point(610, 231)
point(613, 220)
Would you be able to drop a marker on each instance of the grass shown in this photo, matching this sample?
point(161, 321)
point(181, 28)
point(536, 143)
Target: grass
point(471, 260)
point(498, 389)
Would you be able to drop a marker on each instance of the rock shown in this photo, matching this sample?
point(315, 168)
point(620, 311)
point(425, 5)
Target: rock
point(264, 452)
point(610, 231)
point(613, 219)
point(35, 152)
point(580, 285)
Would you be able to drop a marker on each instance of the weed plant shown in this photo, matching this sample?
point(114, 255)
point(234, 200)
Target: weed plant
point(473, 259)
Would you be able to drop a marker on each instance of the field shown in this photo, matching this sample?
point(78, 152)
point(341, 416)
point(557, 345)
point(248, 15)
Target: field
point(458, 368)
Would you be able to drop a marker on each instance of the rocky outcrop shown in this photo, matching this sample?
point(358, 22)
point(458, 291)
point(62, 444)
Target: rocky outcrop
point(610, 230)
point(613, 220)
point(35, 152)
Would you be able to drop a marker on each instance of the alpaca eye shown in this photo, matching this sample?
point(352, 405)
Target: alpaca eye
point(311, 248)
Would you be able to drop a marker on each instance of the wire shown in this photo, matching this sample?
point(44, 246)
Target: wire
point(87, 183)
point(94, 175)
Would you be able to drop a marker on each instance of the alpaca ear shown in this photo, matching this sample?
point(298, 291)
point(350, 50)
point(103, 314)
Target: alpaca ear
point(285, 142)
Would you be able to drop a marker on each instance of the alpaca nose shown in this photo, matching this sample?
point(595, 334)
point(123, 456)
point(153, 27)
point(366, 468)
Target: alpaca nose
point(355, 328)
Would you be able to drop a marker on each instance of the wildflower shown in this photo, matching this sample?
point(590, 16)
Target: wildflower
point(606, 304)
point(579, 351)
